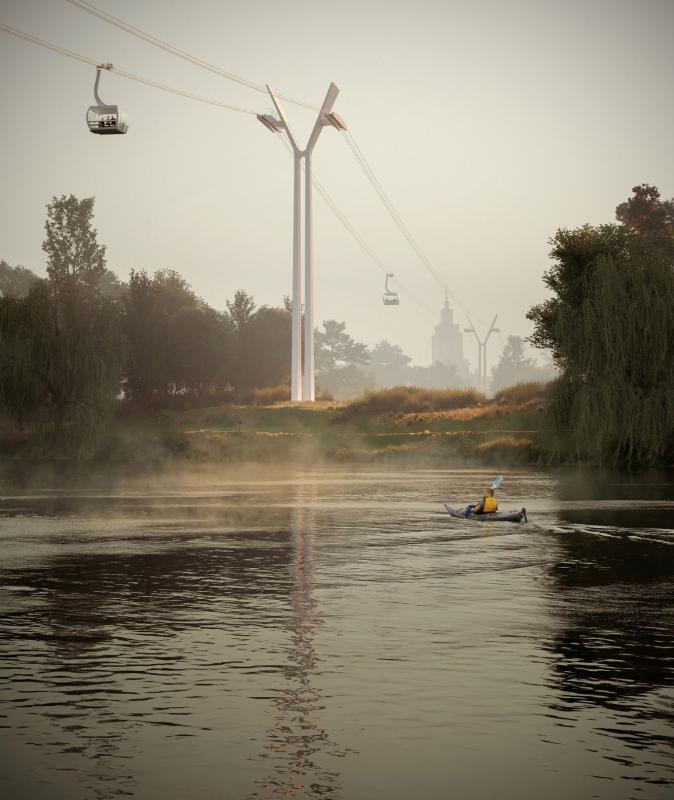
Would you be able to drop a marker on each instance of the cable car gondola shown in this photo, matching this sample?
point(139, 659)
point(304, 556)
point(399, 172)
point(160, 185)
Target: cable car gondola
point(103, 118)
point(390, 298)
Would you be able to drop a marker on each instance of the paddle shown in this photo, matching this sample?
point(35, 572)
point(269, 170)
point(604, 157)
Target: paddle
point(497, 482)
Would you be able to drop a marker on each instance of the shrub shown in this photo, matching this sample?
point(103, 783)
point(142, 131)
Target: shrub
point(409, 399)
point(525, 392)
point(270, 394)
point(507, 450)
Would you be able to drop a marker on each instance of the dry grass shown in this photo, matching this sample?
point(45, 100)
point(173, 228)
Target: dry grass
point(533, 391)
point(409, 399)
point(504, 443)
point(269, 395)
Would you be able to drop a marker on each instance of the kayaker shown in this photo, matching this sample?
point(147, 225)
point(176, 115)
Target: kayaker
point(488, 505)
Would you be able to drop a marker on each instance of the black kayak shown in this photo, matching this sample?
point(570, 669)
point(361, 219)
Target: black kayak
point(510, 516)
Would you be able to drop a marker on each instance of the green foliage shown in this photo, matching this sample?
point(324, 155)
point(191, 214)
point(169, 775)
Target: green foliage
point(241, 309)
point(515, 368)
point(646, 213)
point(385, 355)
point(334, 347)
point(407, 399)
point(610, 325)
point(615, 399)
point(264, 349)
point(268, 395)
point(525, 392)
point(16, 281)
point(87, 353)
point(177, 343)
point(389, 365)
point(346, 382)
point(61, 346)
point(574, 253)
point(61, 359)
point(24, 324)
point(73, 252)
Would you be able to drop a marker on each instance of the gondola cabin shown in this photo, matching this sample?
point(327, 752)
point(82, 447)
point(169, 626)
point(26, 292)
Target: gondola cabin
point(390, 298)
point(102, 118)
point(107, 119)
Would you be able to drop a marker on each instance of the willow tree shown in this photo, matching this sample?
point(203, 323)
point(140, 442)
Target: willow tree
point(610, 326)
point(24, 332)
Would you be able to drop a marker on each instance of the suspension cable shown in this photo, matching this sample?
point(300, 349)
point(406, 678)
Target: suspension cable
point(388, 205)
point(90, 8)
point(354, 233)
point(189, 95)
point(129, 75)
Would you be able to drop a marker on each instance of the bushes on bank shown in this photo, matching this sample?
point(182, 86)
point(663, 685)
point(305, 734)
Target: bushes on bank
point(525, 392)
point(267, 395)
point(408, 399)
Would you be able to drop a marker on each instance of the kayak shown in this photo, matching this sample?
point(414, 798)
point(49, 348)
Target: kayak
point(510, 516)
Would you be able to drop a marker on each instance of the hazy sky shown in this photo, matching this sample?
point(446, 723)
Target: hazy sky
point(489, 124)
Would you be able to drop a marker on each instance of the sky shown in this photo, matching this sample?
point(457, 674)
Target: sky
point(489, 124)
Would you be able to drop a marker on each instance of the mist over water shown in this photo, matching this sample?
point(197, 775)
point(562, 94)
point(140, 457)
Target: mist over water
point(333, 634)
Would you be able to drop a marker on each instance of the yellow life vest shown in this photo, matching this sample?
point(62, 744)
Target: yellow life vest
point(489, 504)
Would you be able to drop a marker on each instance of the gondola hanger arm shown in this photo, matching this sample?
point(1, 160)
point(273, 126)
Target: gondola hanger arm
point(98, 78)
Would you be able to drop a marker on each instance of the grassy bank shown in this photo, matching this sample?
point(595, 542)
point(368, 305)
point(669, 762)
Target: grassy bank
point(392, 426)
point(481, 433)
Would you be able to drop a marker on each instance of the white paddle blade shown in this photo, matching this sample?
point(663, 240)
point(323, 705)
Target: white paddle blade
point(497, 482)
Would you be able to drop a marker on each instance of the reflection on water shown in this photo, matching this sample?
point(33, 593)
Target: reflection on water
point(614, 650)
point(334, 635)
point(296, 740)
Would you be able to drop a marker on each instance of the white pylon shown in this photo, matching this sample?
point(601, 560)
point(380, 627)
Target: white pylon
point(303, 389)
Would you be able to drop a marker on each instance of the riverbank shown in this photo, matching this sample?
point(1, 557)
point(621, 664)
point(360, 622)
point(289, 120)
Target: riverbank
point(326, 431)
point(306, 433)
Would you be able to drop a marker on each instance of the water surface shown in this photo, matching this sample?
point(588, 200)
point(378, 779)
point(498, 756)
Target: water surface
point(333, 634)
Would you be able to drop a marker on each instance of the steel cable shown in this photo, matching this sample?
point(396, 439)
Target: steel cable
point(176, 51)
point(122, 73)
point(355, 234)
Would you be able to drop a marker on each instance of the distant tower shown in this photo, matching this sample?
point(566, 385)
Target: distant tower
point(447, 342)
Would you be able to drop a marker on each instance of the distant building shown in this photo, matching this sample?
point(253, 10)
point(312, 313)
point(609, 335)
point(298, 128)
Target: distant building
point(447, 344)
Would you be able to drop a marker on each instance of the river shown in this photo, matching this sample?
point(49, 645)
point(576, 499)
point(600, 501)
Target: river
point(333, 633)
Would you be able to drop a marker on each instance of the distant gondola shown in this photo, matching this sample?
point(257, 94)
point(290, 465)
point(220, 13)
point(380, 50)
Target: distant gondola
point(103, 118)
point(390, 298)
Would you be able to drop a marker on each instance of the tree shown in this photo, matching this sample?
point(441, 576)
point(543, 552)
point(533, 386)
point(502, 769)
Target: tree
point(177, 343)
point(385, 355)
point(645, 213)
point(16, 281)
point(389, 365)
point(574, 252)
point(335, 347)
point(61, 346)
point(264, 354)
point(515, 367)
point(110, 285)
point(24, 328)
point(241, 309)
point(610, 327)
point(437, 376)
point(82, 342)
point(201, 350)
point(347, 382)
point(74, 255)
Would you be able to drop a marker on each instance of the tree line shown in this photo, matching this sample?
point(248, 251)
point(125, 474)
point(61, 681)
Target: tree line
point(76, 342)
point(610, 327)
point(73, 344)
